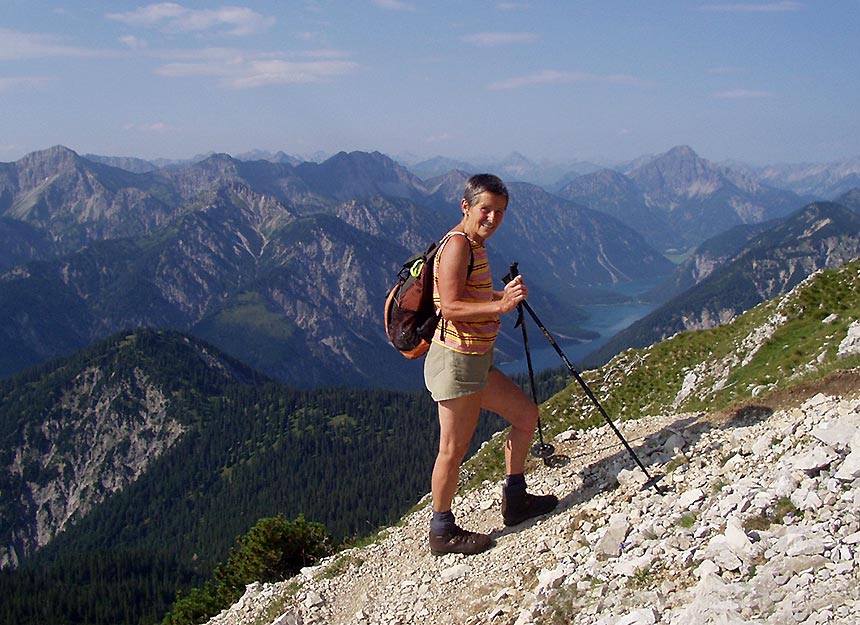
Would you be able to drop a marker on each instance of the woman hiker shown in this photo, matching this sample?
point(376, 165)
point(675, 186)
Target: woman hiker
point(459, 371)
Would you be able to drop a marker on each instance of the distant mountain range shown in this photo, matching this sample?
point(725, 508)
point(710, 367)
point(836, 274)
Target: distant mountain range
point(283, 266)
point(678, 200)
point(284, 263)
point(809, 180)
point(823, 180)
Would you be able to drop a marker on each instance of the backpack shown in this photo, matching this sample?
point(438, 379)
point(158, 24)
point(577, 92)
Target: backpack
point(410, 316)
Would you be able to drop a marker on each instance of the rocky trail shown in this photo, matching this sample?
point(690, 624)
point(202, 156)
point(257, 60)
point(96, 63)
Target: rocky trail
point(758, 521)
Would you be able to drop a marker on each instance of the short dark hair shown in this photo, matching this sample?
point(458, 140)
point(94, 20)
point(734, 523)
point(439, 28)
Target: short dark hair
point(479, 183)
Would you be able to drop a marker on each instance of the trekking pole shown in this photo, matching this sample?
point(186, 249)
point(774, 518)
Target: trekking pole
point(541, 449)
point(652, 481)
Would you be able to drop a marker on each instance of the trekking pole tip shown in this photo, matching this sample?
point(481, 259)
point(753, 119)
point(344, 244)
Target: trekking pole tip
point(542, 450)
point(653, 482)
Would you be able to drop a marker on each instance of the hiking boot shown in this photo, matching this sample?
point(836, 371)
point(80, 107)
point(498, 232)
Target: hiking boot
point(517, 509)
point(459, 541)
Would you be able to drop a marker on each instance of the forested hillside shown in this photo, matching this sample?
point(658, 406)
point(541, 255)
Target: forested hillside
point(153, 452)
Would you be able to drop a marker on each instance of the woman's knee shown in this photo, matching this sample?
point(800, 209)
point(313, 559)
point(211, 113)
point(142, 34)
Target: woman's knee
point(530, 416)
point(449, 462)
point(452, 451)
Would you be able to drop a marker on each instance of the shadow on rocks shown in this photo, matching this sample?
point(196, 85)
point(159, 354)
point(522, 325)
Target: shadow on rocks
point(747, 416)
point(657, 451)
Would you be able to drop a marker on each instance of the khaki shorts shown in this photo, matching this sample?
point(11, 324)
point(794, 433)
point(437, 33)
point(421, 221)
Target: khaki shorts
point(449, 374)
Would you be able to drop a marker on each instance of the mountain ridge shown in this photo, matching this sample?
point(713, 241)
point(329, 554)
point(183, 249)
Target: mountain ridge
point(679, 199)
point(316, 244)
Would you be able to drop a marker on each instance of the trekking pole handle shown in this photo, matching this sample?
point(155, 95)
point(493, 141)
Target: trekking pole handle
point(514, 271)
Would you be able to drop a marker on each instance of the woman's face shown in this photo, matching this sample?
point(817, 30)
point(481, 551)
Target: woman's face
point(481, 219)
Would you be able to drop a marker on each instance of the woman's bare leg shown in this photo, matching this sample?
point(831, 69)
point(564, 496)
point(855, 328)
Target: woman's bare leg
point(458, 419)
point(505, 398)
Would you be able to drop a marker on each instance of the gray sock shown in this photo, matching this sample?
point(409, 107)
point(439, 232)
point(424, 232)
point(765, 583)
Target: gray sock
point(442, 523)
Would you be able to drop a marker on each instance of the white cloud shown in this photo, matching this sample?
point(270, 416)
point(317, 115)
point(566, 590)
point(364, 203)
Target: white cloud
point(553, 77)
point(325, 53)
point(132, 42)
point(499, 39)
point(279, 72)
point(768, 7)
point(158, 127)
point(236, 69)
point(742, 93)
point(394, 5)
point(15, 46)
point(439, 138)
point(171, 17)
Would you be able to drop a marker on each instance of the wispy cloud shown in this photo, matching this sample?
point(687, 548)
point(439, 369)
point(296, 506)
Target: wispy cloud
point(171, 17)
point(553, 77)
point(324, 53)
point(158, 127)
point(742, 94)
point(758, 7)
point(16, 46)
point(439, 138)
point(237, 69)
point(499, 39)
point(394, 5)
point(133, 43)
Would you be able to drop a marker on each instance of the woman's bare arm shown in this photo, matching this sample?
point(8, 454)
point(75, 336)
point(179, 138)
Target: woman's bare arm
point(452, 273)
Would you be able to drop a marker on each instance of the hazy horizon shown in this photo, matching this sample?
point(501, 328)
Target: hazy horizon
point(756, 82)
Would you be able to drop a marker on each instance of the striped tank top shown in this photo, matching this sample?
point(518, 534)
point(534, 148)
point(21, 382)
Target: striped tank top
point(475, 336)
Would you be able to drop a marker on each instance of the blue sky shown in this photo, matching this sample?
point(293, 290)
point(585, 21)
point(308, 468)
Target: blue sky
point(762, 82)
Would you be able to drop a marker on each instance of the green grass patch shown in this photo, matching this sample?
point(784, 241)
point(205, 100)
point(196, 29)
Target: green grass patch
point(781, 510)
point(687, 520)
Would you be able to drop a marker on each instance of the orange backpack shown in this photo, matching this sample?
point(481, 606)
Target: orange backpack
point(410, 316)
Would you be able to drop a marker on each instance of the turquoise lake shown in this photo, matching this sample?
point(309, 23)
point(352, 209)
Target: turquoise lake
point(607, 320)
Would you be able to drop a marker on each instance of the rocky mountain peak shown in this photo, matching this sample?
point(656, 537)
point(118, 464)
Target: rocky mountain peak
point(221, 164)
point(360, 175)
point(605, 182)
point(39, 167)
point(677, 175)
